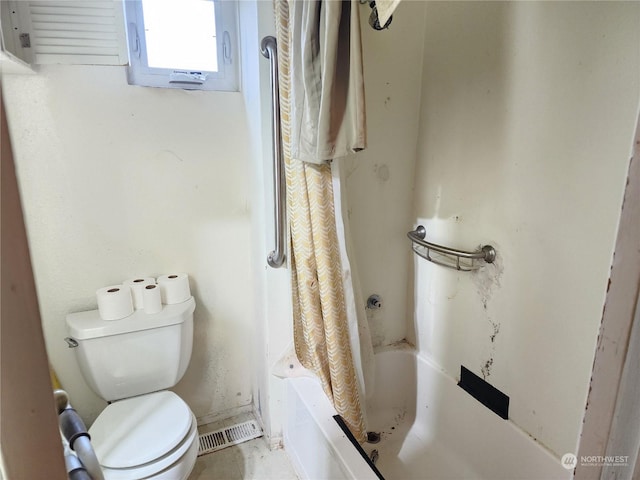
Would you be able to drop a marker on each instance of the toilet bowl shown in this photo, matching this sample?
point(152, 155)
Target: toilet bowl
point(149, 436)
point(146, 431)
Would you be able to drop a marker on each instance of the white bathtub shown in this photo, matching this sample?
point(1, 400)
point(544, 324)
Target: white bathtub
point(431, 429)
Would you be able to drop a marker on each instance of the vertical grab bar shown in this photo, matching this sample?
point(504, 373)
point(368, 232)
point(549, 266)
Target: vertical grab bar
point(276, 258)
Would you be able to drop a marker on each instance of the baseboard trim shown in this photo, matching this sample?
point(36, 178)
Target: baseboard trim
point(231, 412)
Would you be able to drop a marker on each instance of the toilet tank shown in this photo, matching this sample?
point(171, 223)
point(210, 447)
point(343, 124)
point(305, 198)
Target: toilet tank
point(138, 354)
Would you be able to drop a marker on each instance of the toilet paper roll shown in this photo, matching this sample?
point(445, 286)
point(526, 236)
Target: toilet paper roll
point(174, 288)
point(114, 302)
point(151, 299)
point(137, 285)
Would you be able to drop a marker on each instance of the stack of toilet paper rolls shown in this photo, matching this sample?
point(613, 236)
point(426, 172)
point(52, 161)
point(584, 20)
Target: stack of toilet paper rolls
point(116, 302)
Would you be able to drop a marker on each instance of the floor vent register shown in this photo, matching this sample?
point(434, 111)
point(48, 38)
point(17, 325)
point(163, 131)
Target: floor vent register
point(228, 436)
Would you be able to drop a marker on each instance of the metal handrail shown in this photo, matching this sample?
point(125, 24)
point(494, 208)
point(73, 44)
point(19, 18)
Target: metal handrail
point(487, 253)
point(276, 258)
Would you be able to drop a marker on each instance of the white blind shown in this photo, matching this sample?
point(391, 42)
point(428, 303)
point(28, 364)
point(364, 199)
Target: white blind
point(75, 32)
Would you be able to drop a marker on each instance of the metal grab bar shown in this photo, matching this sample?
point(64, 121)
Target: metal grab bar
point(276, 258)
point(487, 253)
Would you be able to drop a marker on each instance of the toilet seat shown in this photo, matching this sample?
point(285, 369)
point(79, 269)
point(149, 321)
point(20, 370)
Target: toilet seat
point(141, 436)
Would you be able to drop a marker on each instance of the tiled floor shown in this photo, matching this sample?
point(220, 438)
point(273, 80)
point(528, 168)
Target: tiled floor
point(248, 460)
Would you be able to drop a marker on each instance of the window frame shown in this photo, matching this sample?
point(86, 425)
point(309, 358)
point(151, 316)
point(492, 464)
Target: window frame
point(225, 79)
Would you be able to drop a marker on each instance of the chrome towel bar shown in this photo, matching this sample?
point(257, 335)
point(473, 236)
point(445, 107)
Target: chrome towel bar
point(449, 257)
point(276, 258)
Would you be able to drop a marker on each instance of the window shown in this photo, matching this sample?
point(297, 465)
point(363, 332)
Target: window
point(188, 44)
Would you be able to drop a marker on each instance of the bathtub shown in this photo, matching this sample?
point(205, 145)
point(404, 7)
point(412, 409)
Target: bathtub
point(430, 429)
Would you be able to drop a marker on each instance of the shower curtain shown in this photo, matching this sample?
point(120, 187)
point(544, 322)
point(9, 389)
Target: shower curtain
point(322, 114)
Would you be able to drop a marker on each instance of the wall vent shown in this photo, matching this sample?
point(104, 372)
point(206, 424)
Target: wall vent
point(70, 32)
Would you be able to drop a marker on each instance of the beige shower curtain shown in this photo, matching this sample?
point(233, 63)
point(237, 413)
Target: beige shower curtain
point(321, 331)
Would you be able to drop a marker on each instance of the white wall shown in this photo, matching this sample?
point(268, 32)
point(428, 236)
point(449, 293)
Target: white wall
point(119, 181)
point(271, 309)
point(527, 119)
point(379, 180)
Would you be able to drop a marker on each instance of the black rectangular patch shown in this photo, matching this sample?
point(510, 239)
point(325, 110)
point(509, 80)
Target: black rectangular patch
point(485, 393)
point(340, 421)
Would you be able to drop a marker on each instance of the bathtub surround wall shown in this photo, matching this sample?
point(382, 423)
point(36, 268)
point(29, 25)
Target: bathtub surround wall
point(527, 118)
point(379, 185)
point(119, 181)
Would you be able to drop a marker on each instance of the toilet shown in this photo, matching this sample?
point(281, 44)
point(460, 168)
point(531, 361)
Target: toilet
point(146, 431)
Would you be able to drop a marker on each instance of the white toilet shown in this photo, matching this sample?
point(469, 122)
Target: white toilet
point(145, 431)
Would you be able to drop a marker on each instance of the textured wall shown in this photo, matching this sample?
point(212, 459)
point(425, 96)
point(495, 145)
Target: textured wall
point(120, 181)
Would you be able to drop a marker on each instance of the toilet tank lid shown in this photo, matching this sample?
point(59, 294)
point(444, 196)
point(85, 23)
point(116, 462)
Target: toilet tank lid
point(132, 432)
point(86, 325)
